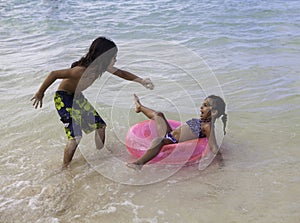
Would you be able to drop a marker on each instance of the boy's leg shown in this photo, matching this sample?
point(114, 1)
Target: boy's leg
point(162, 124)
point(63, 103)
point(69, 152)
point(91, 121)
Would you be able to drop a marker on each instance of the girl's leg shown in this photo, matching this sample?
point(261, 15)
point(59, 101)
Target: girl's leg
point(162, 124)
point(100, 137)
point(69, 152)
point(152, 152)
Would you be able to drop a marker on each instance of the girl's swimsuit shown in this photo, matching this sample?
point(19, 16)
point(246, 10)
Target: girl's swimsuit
point(77, 114)
point(195, 126)
point(170, 137)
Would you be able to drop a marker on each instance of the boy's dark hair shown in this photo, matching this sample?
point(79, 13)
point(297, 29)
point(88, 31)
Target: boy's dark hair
point(98, 47)
point(220, 106)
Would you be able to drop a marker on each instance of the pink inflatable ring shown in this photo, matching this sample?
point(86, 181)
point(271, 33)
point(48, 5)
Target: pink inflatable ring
point(139, 138)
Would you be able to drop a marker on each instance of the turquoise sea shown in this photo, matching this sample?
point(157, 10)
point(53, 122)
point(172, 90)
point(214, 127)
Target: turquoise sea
point(248, 52)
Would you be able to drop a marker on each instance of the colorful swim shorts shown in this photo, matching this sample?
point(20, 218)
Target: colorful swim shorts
point(77, 114)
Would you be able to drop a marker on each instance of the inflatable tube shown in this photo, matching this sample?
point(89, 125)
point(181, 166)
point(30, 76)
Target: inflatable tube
point(139, 138)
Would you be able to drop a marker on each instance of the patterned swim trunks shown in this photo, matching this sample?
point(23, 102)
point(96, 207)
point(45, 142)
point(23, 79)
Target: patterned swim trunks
point(77, 114)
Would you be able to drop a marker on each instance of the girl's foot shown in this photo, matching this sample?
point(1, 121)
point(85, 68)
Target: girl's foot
point(137, 103)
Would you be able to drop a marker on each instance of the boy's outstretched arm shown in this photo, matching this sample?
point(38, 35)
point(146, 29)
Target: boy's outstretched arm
point(53, 76)
point(147, 83)
point(38, 97)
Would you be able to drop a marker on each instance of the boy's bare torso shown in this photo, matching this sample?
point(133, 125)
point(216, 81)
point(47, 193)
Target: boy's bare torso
point(78, 80)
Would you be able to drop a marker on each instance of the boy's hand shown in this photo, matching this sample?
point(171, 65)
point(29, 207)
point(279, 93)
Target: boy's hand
point(37, 100)
point(147, 83)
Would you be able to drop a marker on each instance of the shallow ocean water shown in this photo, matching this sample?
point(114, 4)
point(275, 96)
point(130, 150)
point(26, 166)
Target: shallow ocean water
point(245, 51)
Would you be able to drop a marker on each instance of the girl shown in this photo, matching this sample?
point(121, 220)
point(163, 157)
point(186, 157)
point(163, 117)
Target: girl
point(212, 108)
point(75, 111)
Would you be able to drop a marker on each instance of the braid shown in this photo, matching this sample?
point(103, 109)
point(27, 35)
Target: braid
point(224, 120)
